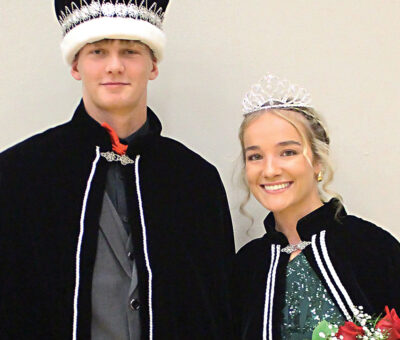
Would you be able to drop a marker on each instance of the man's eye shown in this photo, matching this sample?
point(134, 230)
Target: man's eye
point(287, 153)
point(130, 52)
point(97, 51)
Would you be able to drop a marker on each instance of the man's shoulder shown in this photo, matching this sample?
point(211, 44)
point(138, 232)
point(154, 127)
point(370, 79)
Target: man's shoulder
point(36, 144)
point(179, 153)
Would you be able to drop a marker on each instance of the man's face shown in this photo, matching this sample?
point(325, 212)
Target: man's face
point(114, 74)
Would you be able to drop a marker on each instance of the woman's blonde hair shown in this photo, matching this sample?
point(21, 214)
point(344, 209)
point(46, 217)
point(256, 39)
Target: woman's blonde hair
point(315, 136)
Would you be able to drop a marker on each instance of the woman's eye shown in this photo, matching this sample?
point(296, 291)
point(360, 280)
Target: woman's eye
point(287, 153)
point(254, 157)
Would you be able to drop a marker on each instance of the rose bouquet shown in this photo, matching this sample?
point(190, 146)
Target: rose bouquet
point(364, 327)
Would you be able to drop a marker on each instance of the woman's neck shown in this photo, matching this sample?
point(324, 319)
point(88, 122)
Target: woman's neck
point(286, 220)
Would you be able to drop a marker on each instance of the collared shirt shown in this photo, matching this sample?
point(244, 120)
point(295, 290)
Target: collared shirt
point(115, 296)
point(116, 183)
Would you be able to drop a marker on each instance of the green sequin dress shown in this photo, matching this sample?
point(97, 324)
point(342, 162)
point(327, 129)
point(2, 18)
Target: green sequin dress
point(306, 302)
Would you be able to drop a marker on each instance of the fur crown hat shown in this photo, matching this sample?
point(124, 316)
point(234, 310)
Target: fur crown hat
point(87, 21)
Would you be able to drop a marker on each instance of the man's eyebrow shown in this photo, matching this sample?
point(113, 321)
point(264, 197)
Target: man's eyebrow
point(122, 41)
point(97, 43)
point(127, 42)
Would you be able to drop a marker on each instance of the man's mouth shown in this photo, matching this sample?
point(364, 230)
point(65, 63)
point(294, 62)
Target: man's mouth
point(114, 83)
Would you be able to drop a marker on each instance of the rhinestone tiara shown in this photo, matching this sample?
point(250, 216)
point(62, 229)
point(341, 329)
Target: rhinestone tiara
point(271, 92)
point(77, 14)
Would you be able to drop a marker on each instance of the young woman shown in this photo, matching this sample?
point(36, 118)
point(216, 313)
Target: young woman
point(315, 262)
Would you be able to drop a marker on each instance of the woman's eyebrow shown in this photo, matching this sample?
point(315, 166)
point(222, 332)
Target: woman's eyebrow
point(252, 147)
point(288, 142)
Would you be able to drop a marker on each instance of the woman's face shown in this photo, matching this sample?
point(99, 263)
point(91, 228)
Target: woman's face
point(278, 174)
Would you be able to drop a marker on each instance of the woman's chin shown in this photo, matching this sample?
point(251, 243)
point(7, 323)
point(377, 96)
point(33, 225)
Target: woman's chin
point(275, 209)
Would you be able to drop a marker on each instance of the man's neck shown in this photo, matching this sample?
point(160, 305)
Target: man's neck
point(123, 122)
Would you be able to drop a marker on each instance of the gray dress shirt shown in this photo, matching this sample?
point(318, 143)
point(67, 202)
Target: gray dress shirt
point(115, 296)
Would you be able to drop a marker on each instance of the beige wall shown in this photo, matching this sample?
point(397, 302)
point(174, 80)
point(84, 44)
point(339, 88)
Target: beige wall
point(345, 52)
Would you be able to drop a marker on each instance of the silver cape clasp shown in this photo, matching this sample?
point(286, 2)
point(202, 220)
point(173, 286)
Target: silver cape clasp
point(293, 247)
point(111, 156)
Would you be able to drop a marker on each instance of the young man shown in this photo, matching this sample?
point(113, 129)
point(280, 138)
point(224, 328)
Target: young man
point(109, 230)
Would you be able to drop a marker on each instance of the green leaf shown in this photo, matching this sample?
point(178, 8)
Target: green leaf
point(323, 327)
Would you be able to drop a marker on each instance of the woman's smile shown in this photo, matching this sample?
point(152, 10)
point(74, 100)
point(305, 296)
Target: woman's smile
point(276, 188)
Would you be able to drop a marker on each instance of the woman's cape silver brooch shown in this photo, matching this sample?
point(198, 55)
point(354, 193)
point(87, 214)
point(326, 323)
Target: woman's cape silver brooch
point(293, 247)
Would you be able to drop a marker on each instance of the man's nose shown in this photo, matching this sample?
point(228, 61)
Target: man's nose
point(115, 64)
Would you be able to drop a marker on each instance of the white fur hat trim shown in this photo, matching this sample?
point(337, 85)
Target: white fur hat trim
point(112, 28)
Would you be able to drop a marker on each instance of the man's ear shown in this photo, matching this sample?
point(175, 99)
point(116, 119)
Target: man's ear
point(154, 71)
point(75, 71)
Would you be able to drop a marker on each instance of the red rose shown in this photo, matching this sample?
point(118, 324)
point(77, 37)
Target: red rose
point(349, 331)
point(391, 323)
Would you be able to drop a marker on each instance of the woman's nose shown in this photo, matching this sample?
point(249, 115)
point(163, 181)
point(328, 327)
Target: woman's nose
point(271, 168)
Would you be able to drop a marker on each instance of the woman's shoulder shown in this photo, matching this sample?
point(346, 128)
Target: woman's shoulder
point(367, 233)
point(357, 225)
point(252, 251)
point(249, 265)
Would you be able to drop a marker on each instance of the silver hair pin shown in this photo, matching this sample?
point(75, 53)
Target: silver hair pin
point(271, 92)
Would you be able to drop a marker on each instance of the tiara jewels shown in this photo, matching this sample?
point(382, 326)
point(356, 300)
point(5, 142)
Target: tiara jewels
point(272, 92)
point(76, 15)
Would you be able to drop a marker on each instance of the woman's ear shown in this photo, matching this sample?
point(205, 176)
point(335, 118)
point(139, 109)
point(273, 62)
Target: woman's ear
point(318, 171)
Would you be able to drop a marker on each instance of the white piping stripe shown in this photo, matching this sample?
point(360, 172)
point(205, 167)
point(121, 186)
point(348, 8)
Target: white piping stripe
point(333, 271)
point(266, 301)
point(145, 249)
point(271, 301)
point(327, 279)
point(267, 292)
point(79, 246)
